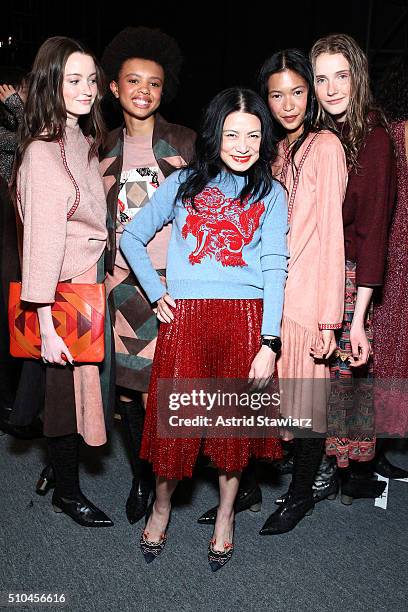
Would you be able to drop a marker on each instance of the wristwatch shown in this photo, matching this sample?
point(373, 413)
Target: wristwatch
point(274, 343)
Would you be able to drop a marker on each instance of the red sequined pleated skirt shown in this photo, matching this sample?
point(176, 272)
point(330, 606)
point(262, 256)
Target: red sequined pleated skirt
point(207, 339)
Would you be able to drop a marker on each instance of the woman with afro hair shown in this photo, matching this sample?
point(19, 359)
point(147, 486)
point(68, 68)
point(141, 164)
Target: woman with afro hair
point(142, 66)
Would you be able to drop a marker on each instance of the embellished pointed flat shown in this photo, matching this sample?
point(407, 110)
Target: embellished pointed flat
point(216, 558)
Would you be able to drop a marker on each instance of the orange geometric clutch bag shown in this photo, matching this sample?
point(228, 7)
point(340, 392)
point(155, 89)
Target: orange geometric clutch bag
point(78, 314)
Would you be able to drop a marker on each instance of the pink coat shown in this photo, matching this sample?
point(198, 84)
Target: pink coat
point(49, 185)
point(314, 293)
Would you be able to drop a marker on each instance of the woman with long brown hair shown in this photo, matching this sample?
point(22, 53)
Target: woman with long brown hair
point(60, 200)
point(343, 90)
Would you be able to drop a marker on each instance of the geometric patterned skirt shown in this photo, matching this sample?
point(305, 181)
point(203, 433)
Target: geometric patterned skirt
point(208, 338)
point(135, 329)
point(351, 416)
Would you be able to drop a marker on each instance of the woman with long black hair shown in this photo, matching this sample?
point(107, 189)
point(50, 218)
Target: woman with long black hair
point(221, 310)
point(311, 164)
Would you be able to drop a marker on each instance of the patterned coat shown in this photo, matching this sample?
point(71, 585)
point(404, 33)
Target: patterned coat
point(173, 147)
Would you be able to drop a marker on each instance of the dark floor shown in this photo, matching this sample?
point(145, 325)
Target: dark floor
point(340, 559)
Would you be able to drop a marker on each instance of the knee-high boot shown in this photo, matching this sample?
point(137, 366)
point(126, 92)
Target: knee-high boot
point(67, 496)
point(299, 501)
point(132, 417)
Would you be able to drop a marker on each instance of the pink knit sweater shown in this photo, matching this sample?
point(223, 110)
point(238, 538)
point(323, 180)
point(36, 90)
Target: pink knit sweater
point(54, 248)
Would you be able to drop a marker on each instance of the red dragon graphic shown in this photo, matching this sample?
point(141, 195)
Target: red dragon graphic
point(222, 227)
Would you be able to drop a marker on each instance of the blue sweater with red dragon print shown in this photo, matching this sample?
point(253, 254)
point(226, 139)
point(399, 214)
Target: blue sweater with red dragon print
point(219, 249)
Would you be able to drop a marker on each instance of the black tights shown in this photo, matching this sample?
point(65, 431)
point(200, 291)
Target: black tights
point(63, 454)
point(307, 457)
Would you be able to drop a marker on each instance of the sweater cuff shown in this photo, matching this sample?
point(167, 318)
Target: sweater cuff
point(155, 292)
point(323, 326)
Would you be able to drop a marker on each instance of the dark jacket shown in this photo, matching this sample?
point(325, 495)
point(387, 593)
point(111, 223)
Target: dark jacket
point(369, 203)
point(11, 116)
point(173, 147)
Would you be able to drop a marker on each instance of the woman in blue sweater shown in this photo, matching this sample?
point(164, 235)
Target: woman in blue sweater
point(221, 308)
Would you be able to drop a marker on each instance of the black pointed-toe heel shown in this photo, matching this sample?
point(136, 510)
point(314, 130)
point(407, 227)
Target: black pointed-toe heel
point(81, 510)
point(217, 559)
point(46, 480)
point(151, 550)
point(247, 499)
point(288, 515)
point(137, 502)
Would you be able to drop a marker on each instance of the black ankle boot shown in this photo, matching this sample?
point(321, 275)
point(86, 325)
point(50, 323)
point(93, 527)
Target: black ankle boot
point(132, 416)
point(81, 510)
point(355, 487)
point(288, 515)
point(247, 499)
point(385, 468)
point(46, 480)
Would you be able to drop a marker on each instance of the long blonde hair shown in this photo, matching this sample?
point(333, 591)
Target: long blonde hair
point(361, 99)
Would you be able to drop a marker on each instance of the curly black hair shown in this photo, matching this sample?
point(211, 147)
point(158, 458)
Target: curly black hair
point(392, 90)
point(149, 44)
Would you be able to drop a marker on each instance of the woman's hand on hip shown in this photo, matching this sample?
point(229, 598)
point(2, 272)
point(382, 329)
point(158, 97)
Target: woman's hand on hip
point(262, 368)
point(163, 310)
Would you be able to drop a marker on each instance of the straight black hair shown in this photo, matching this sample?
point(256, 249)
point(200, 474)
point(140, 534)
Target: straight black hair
point(207, 162)
point(297, 61)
